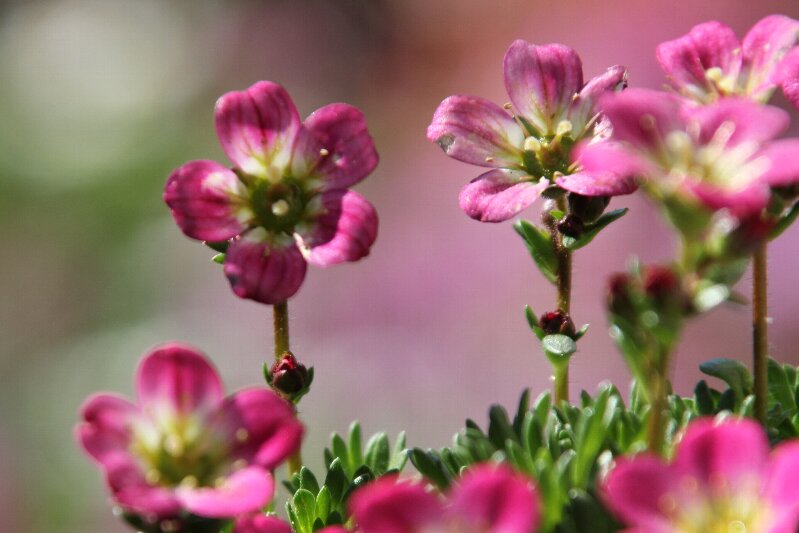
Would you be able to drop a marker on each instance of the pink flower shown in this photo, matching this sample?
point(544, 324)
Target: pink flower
point(722, 155)
point(260, 523)
point(722, 478)
point(709, 62)
point(286, 201)
point(488, 499)
point(184, 447)
point(531, 150)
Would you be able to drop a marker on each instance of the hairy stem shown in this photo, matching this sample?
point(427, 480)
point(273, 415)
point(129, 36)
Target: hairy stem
point(760, 332)
point(563, 284)
point(281, 319)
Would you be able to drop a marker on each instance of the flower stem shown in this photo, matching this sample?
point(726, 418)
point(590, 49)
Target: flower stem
point(295, 462)
point(658, 398)
point(281, 319)
point(563, 283)
point(760, 331)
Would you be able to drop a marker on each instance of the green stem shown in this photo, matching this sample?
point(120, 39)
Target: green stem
point(281, 319)
point(561, 382)
point(658, 397)
point(563, 284)
point(295, 462)
point(760, 331)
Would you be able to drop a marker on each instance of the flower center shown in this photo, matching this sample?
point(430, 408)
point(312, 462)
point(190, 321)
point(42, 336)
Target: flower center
point(278, 206)
point(178, 451)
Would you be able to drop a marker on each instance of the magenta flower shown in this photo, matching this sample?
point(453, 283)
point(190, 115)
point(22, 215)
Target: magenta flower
point(184, 447)
point(722, 479)
point(709, 62)
point(722, 155)
point(260, 523)
point(531, 150)
point(286, 201)
point(488, 499)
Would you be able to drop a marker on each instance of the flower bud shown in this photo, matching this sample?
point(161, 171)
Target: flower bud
point(618, 298)
point(555, 322)
point(571, 226)
point(660, 283)
point(747, 236)
point(289, 376)
point(587, 208)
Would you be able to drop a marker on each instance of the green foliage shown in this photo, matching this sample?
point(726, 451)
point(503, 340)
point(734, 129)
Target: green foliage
point(592, 230)
point(542, 250)
point(348, 465)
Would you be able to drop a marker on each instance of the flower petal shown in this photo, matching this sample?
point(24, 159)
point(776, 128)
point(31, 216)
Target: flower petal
point(741, 202)
point(584, 107)
point(786, 75)
point(260, 523)
point(733, 452)
point(606, 159)
point(389, 506)
point(686, 60)
point(351, 156)
point(642, 117)
point(764, 47)
point(178, 379)
point(257, 127)
point(597, 184)
point(207, 201)
point(105, 430)
point(499, 195)
point(496, 498)
point(738, 121)
point(345, 232)
point(781, 490)
point(477, 131)
point(261, 425)
point(264, 272)
point(245, 491)
point(634, 490)
point(133, 493)
point(783, 157)
point(542, 81)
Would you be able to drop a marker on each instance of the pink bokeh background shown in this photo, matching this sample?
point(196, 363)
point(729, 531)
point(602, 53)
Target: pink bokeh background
point(105, 98)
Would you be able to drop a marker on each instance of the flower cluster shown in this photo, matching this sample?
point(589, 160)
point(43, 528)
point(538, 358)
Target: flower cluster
point(286, 202)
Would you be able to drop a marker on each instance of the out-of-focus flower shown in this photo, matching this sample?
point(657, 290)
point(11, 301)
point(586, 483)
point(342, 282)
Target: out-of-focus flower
point(709, 62)
point(722, 155)
point(488, 499)
point(184, 447)
point(260, 523)
point(722, 478)
point(529, 151)
point(286, 201)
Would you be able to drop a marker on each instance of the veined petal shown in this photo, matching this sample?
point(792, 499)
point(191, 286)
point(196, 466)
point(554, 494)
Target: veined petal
point(783, 158)
point(606, 183)
point(585, 105)
point(262, 271)
point(605, 160)
point(635, 490)
point(742, 202)
point(732, 121)
point(642, 117)
point(262, 427)
point(257, 127)
point(345, 232)
point(781, 490)
point(105, 430)
point(733, 452)
point(764, 47)
point(245, 491)
point(259, 523)
point(341, 131)
point(178, 379)
point(499, 195)
point(389, 506)
point(477, 131)
point(542, 81)
point(786, 75)
point(208, 201)
point(133, 493)
point(711, 45)
point(497, 498)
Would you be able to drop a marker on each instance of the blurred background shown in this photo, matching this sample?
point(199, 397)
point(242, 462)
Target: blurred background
point(101, 99)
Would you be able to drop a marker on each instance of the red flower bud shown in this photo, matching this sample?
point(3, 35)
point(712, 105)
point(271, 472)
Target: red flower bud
point(555, 322)
point(289, 376)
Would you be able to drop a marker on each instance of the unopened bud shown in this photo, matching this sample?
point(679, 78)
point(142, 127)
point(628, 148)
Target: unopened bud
point(588, 208)
point(289, 376)
point(619, 294)
point(660, 283)
point(557, 322)
point(571, 226)
point(747, 236)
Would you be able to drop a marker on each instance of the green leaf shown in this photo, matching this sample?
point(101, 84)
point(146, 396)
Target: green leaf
point(308, 481)
point(558, 348)
point(732, 372)
point(709, 297)
point(377, 453)
point(521, 412)
point(336, 481)
point(499, 427)
point(430, 467)
point(399, 457)
point(532, 321)
point(704, 400)
point(539, 244)
point(218, 258)
point(304, 504)
point(592, 230)
point(323, 506)
point(340, 451)
point(785, 221)
point(779, 388)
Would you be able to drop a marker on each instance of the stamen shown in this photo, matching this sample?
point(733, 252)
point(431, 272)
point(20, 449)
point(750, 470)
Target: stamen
point(489, 159)
point(280, 208)
point(564, 128)
point(189, 482)
point(152, 476)
point(174, 445)
point(531, 144)
point(242, 434)
point(507, 106)
point(323, 152)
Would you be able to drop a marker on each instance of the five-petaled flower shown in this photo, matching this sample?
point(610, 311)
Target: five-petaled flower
point(487, 499)
point(721, 155)
point(722, 479)
point(286, 200)
point(709, 62)
point(184, 448)
point(532, 150)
